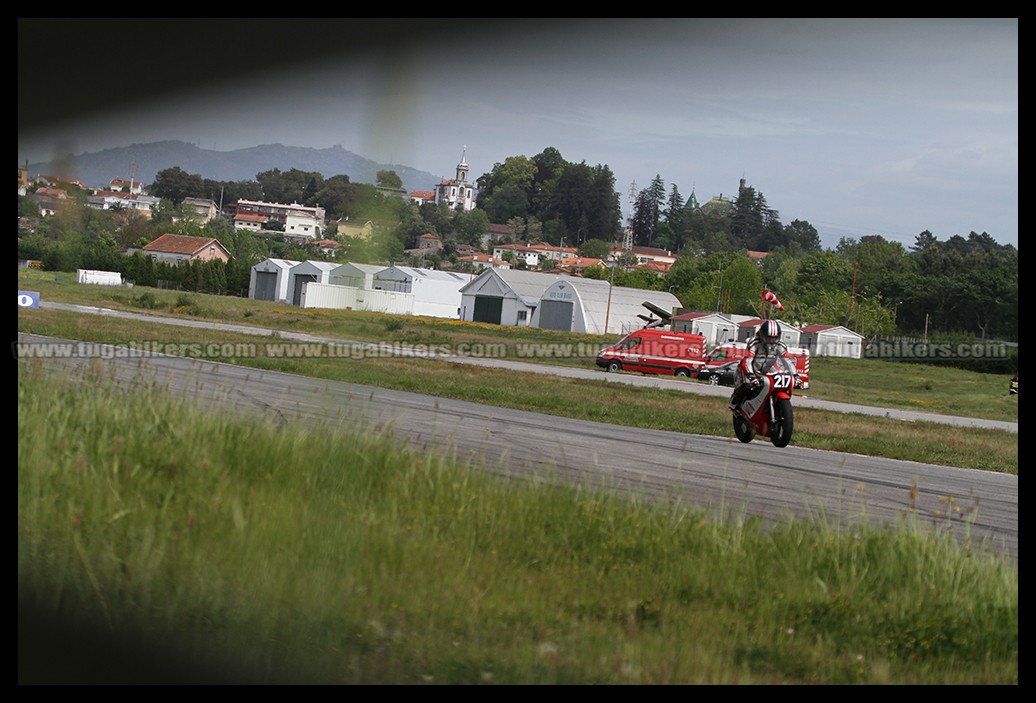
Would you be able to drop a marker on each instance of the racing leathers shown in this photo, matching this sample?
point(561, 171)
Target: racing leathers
point(759, 360)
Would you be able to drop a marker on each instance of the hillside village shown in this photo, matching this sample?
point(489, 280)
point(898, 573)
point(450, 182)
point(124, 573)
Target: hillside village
point(309, 226)
point(502, 282)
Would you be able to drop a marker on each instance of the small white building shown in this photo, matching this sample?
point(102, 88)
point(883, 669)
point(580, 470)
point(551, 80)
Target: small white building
point(832, 340)
point(252, 223)
point(519, 252)
point(436, 293)
point(481, 262)
point(100, 278)
point(305, 272)
point(597, 307)
point(790, 334)
point(204, 209)
point(716, 327)
point(269, 280)
point(303, 224)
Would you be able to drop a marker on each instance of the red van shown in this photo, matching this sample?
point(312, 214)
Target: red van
point(655, 351)
point(731, 351)
point(800, 355)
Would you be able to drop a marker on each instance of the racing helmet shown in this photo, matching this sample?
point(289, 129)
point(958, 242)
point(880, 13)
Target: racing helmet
point(769, 333)
point(768, 337)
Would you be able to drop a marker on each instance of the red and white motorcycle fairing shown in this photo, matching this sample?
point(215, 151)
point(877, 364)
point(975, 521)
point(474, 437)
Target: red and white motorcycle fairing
point(767, 410)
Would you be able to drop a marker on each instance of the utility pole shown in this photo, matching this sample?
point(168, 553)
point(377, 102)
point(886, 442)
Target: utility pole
point(852, 295)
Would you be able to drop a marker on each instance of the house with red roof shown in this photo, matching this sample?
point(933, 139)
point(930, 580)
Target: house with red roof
point(177, 248)
point(484, 261)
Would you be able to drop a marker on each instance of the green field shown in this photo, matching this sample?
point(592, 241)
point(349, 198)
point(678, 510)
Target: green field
point(160, 543)
point(870, 382)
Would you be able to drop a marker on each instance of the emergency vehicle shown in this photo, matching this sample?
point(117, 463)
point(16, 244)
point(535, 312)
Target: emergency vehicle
point(731, 351)
point(655, 351)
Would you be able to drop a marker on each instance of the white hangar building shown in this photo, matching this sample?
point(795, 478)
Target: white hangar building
point(356, 275)
point(307, 272)
point(597, 307)
point(269, 280)
point(436, 293)
point(504, 296)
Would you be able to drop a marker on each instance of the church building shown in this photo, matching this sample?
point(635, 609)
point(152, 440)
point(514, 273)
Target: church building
point(458, 193)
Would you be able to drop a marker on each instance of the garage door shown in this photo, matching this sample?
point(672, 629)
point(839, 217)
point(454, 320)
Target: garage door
point(265, 285)
point(556, 315)
point(488, 309)
point(301, 279)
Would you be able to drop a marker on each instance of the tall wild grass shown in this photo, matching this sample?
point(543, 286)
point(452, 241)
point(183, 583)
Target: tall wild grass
point(167, 543)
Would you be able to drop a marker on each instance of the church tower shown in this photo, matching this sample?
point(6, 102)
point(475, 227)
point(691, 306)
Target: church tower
point(458, 193)
point(462, 167)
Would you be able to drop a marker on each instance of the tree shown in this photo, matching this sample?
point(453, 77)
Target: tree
point(388, 179)
point(471, 226)
point(595, 249)
point(803, 234)
point(626, 260)
point(27, 206)
point(292, 186)
point(525, 230)
point(749, 216)
point(175, 184)
point(549, 167)
point(516, 174)
point(573, 201)
point(510, 200)
point(604, 220)
point(822, 273)
point(674, 218)
point(646, 212)
point(140, 268)
point(741, 284)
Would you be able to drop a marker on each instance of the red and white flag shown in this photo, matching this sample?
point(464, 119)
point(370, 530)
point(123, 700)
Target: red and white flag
point(770, 297)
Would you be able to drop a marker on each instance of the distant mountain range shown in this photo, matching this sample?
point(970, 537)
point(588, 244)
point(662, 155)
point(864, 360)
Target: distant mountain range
point(142, 162)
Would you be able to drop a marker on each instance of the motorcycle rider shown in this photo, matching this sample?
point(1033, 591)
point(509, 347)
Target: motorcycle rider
point(764, 348)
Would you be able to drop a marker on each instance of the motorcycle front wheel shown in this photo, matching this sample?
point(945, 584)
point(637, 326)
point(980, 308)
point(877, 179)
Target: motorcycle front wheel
point(744, 431)
point(780, 432)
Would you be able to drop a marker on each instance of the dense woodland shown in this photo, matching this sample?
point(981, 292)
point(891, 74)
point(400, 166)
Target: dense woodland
point(965, 287)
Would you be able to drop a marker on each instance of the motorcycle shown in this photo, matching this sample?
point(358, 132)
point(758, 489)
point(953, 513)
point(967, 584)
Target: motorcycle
point(767, 412)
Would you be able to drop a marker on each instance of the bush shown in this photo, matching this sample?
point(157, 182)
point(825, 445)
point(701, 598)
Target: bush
point(148, 301)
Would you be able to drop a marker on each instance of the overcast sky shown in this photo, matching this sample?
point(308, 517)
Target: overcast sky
point(858, 126)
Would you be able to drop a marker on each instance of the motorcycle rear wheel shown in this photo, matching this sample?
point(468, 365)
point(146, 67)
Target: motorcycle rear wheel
point(780, 432)
point(745, 432)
